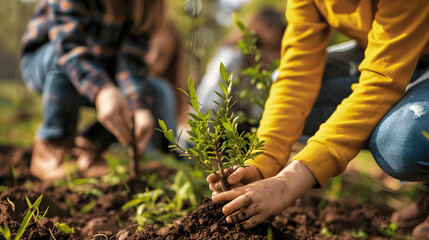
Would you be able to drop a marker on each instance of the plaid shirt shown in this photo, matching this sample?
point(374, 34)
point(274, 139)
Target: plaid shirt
point(93, 47)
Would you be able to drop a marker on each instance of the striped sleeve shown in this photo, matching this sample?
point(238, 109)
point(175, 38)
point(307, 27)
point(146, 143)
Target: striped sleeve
point(132, 70)
point(77, 53)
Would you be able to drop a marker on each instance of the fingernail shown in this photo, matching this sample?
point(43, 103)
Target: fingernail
point(231, 180)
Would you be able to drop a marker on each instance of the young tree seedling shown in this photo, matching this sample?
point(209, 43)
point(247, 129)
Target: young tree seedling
point(218, 144)
point(259, 74)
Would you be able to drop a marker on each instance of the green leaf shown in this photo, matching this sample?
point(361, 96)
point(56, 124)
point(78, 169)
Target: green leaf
point(27, 217)
point(44, 214)
point(70, 206)
point(230, 75)
point(223, 73)
point(228, 126)
point(219, 95)
point(326, 233)
point(6, 232)
point(389, 231)
point(162, 125)
point(29, 204)
point(63, 227)
point(195, 117)
point(195, 153)
point(239, 24)
point(169, 135)
point(183, 91)
point(132, 203)
point(88, 207)
point(81, 181)
point(221, 106)
point(358, 233)
point(193, 94)
point(223, 88)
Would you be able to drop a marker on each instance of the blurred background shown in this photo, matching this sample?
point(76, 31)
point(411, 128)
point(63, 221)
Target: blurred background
point(203, 25)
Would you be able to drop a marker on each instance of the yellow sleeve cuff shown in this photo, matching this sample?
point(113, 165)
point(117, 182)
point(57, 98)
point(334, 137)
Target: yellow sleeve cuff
point(266, 165)
point(319, 160)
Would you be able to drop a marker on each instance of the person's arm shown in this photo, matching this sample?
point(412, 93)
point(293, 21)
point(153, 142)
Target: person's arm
point(398, 36)
point(395, 42)
point(132, 70)
point(79, 54)
point(76, 53)
point(293, 94)
point(132, 80)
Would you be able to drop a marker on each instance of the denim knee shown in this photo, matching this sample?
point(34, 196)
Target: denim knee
point(35, 66)
point(60, 99)
point(398, 144)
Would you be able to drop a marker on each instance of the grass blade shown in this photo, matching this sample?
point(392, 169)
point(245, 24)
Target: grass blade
point(27, 217)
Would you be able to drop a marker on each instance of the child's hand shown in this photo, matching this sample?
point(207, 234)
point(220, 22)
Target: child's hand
point(113, 113)
point(254, 203)
point(144, 127)
point(240, 176)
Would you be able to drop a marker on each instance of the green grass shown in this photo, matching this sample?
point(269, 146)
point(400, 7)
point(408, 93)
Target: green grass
point(21, 114)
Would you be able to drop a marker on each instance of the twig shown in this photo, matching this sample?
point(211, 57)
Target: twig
point(134, 160)
point(133, 225)
point(100, 235)
point(11, 203)
point(52, 234)
point(222, 178)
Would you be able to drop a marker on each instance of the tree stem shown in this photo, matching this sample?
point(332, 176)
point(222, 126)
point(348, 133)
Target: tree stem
point(222, 176)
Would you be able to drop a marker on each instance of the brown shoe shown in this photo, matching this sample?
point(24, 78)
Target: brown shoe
point(89, 158)
point(421, 232)
point(51, 159)
point(414, 213)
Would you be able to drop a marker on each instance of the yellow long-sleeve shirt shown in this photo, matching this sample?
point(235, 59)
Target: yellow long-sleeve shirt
point(395, 34)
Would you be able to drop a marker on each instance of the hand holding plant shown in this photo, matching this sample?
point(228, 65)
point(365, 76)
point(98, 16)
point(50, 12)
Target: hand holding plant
point(241, 176)
point(222, 148)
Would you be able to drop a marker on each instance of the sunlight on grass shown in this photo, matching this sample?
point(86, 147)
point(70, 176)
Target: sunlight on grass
point(21, 112)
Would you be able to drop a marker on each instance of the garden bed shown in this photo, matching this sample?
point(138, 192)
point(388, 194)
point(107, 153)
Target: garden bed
point(100, 216)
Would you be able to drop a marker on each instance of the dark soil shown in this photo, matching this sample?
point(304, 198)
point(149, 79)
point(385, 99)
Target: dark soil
point(304, 220)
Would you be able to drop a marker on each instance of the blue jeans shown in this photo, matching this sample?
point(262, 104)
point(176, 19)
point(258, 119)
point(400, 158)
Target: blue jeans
point(397, 143)
point(61, 101)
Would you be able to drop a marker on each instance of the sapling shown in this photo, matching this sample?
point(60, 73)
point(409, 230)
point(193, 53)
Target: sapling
point(258, 73)
point(218, 145)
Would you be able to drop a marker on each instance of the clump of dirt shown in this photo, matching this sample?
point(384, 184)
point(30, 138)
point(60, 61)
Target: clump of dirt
point(208, 222)
point(305, 219)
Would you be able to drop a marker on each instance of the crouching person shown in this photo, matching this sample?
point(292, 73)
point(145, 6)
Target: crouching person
point(91, 53)
point(386, 107)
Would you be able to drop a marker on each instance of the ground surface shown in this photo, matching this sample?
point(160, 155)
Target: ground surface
point(311, 217)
